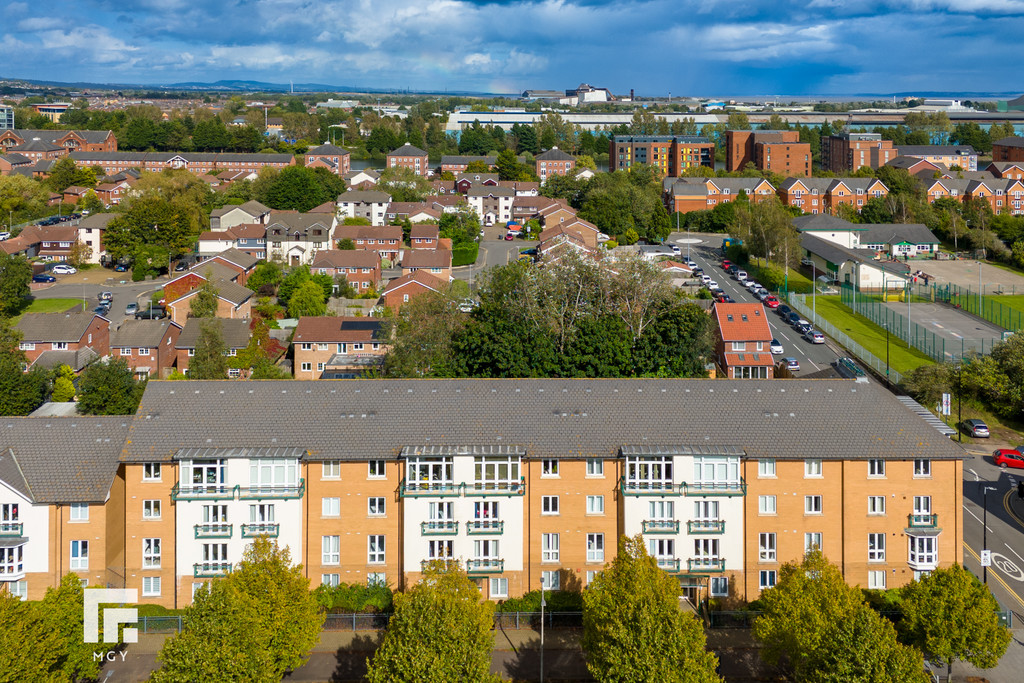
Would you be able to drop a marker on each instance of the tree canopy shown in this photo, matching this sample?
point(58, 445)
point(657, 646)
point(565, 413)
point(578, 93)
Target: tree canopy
point(20, 392)
point(209, 361)
point(15, 275)
point(109, 387)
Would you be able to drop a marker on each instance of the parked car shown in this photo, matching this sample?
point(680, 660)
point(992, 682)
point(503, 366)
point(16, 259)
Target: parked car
point(792, 317)
point(691, 263)
point(62, 269)
point(762, 294)
point(154, 313)
point(752, 285)
point(131, 309)
point(5, 235)
point(771, 301)
point(803, 327)
point(740, 275)
point(792, 363)
point(783, 310)
point(106, 304)
point(674, 248)
point(42, 277)
point(814, 337)
point(1009, 457)
point(105, 296)
point(120, 268)
point(732, 269)
point(711, 284)
point(101, 310)
point(704, 279)
point(976, 428)
point(697, 271)
point(726, 263)
point(180, 266)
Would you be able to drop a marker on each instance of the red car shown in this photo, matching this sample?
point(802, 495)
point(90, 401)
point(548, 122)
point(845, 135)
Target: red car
point(1009, 457)
point(771, 302)
point(725, 264)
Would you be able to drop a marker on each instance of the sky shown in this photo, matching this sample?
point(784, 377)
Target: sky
point(684, 47)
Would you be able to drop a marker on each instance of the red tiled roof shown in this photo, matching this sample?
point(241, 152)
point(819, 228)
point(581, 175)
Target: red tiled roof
point(742, 322)
point(336, 329)
point(420, 277)
point(748, 358)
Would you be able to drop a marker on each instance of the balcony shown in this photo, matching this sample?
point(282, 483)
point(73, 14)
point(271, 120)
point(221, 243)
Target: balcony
point(706, 565)
point(237, 492)
point(660, 526)
point(203, 492)
point(706, 526)
point(272, 492)
point(479, 527)
point(428, 489)
point(715, 488)
point(669, 564)
point(647, 488)
point(922, 521)
point(445, 527)
point(269, 529)
point(485, 566)
point(210, 570)
point(438, 563)
point(11, 528)
point(425, 489)
point(214, 530)
point(496, 488)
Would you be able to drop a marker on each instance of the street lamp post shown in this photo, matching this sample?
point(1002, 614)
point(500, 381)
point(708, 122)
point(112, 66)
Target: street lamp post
point(887, 382)
point(814, 288)
point(984, 530)
point(542, 603)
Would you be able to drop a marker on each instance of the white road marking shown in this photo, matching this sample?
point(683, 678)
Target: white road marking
point(1013, 551)
point(968, 511)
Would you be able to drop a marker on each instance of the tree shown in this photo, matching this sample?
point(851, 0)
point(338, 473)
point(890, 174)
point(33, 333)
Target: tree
point(441, 631)
point(63, 385)
point(291, 283)
point(738, 121)
point(15, 274)
point(308, 300)
point(346, 244)
point(151, 220)
point(29, 647)
point(20, 392)
point(62, 612)
point(109, 388)
point(209, 361)
point(79, 253)
point(326, 283)
point(633, 629)
point(267, 274)
point(204, 303)
point(951, 616)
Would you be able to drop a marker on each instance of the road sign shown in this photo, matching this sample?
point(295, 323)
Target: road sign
point(947, 400)
point(986, 558)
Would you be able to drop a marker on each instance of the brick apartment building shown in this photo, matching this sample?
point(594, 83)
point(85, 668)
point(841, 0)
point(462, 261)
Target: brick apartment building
point(778, 151)
point(1008, 149)
point(848, 152)
point(410, 157)
point(670, 154)
point(335, 159)
point(554, 162)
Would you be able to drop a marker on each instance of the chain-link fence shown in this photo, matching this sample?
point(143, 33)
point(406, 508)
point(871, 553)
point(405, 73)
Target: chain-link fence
point(985, 306)
point(873, 307)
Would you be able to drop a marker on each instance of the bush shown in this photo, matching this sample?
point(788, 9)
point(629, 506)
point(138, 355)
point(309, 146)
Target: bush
point(354, 598)
point(554, 601)
point(738, 254)
point(464, 254)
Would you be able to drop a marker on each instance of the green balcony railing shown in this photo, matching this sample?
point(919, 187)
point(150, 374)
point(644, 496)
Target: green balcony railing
point(272, 492)
point(485, 526)
point(213, 530)
point(737, 488)
point(647, 488)
point(487, 566)
point(660, 526)
point(203, 492)
point(440, 563)
point(207, 570)
point(706, 526)
point(490, 488)
point(407, 489)
point(237, 492)
point(426, 488)
point(922, 521)
point(269, 529)
point(439, 528)
point(11, 528)
point(669, 564)
point(706, 565)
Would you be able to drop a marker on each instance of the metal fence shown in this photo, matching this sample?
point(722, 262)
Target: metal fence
point(985, 306)
point(874, 309)
point(799, 303)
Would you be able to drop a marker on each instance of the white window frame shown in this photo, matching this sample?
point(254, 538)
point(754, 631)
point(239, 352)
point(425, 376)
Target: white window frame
point(376, 579)
point(876, 547)
point(498, 587)
point(330, 507)
point(376, 549)
point(151, 509)
point(549, 505)
point(766, 579)
point(151, 553)
point(330, 469)
point(376, 469)
point(719, 586)
point(376, 506)
point(813, 505)
point(876, 505)
point(595, 467)
point(330, 580)
point(78, 512)
point(151, 471)
point(79, 557)
point(767, 548)
point(876, 468)
point(767, 505)
point(549, 467)
point(766, 468)
point(549, 548)
point(551, 580)
point(813, 539)
point(595, 505)
point(330, 550)
point(876, 579)
point(595, 547)
point(813, 468)
point(922, 468)
point(151, 586)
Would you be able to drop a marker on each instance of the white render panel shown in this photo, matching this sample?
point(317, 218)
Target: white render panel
point(36, 521)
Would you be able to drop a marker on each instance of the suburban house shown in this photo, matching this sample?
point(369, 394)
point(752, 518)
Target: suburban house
point(554, 162)
point(1007, 169)
point(361, 267)
point(402, 290)
point(111, 193)
point(458, 164)
point(424, 236)
point(385, 240)
point(242, 263)
point(364, 179)
point(963, 156)
point(437, 262)
point(410, 157)
point(336, 347)
point(90, 233)
point(235, 333)
point(199, 163)
point(74, 339)
point(522, 188)
point(231, 215)
point(556, 242)
point(465, 181)
point(368, 204)
point(248, 238)
point(195, 276)
point(335, 159)
point(826, 195)
point(233, 301)
point(148, 346)
point(916, 166)
point(743, 341)
point(492, 204)
point(48, 242)
point(295, 238)
point(856, 267)
point(414, 212)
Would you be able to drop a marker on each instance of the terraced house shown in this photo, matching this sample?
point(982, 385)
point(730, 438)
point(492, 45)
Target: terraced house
point(522, 480)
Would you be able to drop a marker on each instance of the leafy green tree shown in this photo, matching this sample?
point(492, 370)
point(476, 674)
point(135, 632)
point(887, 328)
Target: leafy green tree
point(441, 631)
point(150, 220)
point(211, 136)
point(29, 647)
point(326, 282)
point(951, 616)
point(21, 198)
point(20, 392)
point(307, 300)
point(62, 174)
point(15, 275)
point(266, 274)
point(346, 244)
point(204, 303)
point(633, 629)
point(296, 278)
point(63, 385)
point(678, 343)
point(299, 188)
point(403, 184)
point(62, 612)
point(109, 388)
point(209, 361)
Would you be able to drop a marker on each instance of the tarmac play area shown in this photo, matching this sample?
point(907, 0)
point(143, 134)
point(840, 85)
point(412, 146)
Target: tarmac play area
point(961, 331)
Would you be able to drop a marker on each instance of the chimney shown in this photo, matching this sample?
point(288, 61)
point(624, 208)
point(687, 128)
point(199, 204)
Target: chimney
point(632, 96)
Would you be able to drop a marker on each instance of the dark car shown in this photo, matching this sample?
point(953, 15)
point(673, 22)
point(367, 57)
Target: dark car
point(181, 265)
point(976, 428)
point(42, 277)
point(120, 268)
point(732, 269)
point(154, 313)
point(698, 271)
point(101, 310)
point(784, 311)
point(792, 317)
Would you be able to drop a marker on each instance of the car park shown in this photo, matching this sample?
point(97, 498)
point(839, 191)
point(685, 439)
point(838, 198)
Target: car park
point(771, 301)
point(814, 337)
point(131, 309)
point(976, 428)
point(1009, 457)
point(43, 278)
point(791, 363)
point(62, 269)
point(775, 346)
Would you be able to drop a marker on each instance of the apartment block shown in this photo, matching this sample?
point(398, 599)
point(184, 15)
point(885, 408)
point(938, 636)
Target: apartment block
point(410, 157)
point(1008, 149)
point(779, 151)
point(848, 152)
point(670, 154)
point(964, 157)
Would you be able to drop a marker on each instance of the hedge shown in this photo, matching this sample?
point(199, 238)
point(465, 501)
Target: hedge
point(464, 254)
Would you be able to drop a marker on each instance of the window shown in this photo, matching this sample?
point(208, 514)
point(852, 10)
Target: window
point(429, 473)
point(331, 580)
point(306, 347)
point(812, 505)
point(549, 580)
point(591, 575)
point(151, 471)
point(766, 547)
point(549, 548)
point(376, 469)
point(766, 468)
point(215, 514)
point(719, 586)
point(375, 549)
point(924, 552)
point(595, 547)
point(595, 505)
point(766, 505)
point(376, 579)
point(151, 553)
point(649, 473)
point(330, 507)
point(261, 513)
point(27, 346)
point(705, 510)
point(306, 367)
point(549, 468)
point(812, 468)
point(331, 469)
point(151, 509)
point(330, 550)
point(59, 346)
point(9, 512)
point(922, 505)
point(922, 468)
point(549, 505)
point(150, 586)
point(126, 352)
point(876, 547)
point(79, 512)
point(595, 467)
point(499, 588)
point(143, 351)
point(876, 579)
point(812, 541)
point(876, 505)
point(375, 506)
point(662, 549)
point(272, 472)
point(496, 473)
point(320, 347)
point(876, 468)
point(439, 550)
point(12, 559)
point(79, 555)
point(739, 346)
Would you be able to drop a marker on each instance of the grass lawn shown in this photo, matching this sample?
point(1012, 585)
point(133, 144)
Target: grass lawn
point(1014, 301)
point(50, 306)
point(870, 336)
point(798, 282)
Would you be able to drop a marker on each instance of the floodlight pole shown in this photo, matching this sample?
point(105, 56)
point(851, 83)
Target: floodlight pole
point(542, 629)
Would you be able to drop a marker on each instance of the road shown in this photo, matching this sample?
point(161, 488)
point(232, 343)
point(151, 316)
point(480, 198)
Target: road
point(707, 254)
point(137, 292)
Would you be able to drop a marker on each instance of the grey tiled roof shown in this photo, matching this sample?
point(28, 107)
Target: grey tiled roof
point(823, 221)
point(239, 258)
point(55, 327)
point(76, 360)
point(97, 220)
point(554, 154)
point(365, 197)
point(407, 150)
point(360, 419)
point(889, 233)
point(234, 331)
point(64, 459)
point(139, 333)
point(838, 255)
point(1013, 141)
